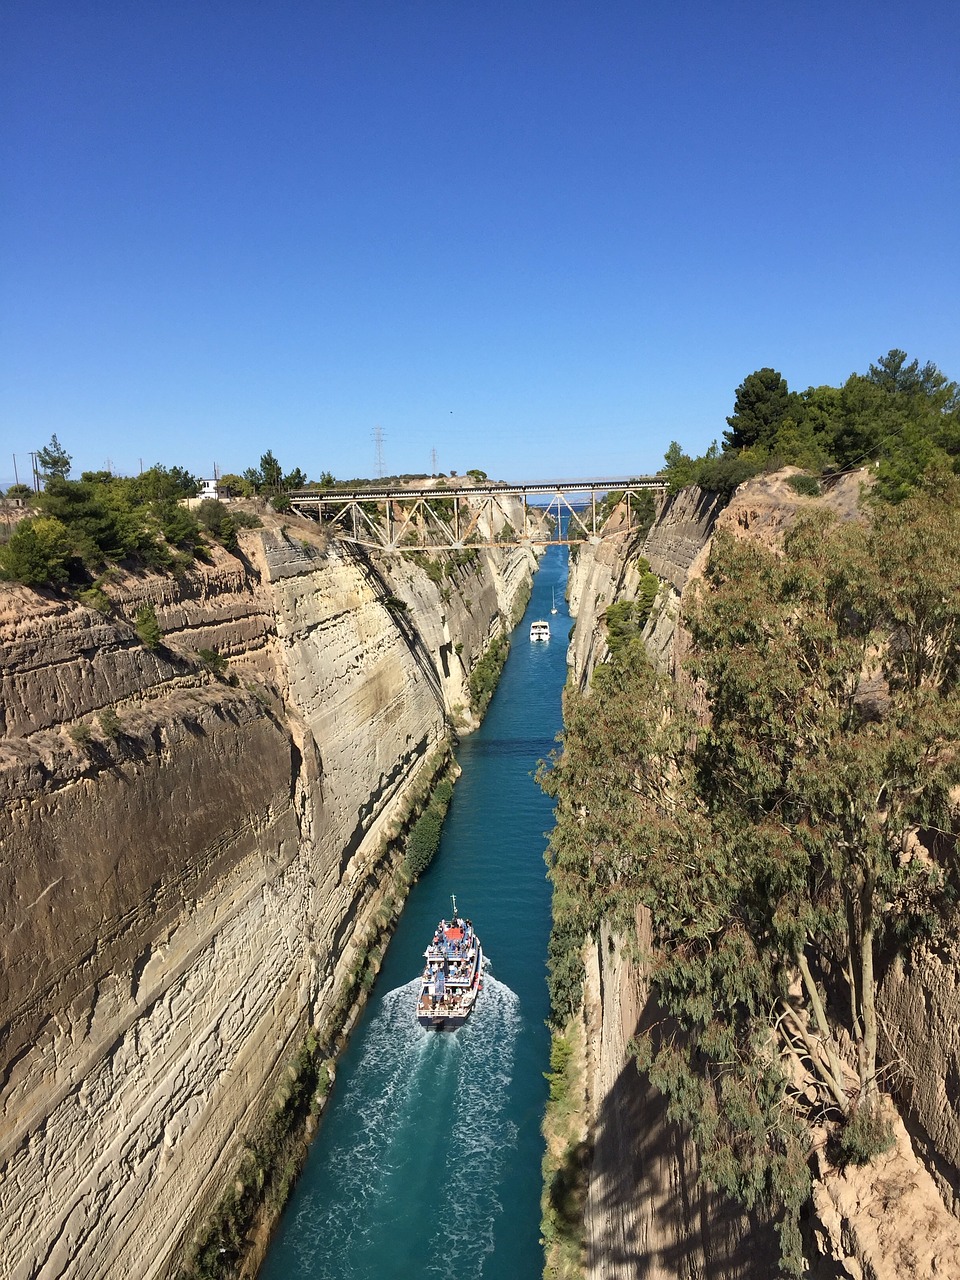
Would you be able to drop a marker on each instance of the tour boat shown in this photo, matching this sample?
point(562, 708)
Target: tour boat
point(540, 630)
point(452, 977)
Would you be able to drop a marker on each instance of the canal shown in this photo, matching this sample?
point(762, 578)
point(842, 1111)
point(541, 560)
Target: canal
point(427, 1163)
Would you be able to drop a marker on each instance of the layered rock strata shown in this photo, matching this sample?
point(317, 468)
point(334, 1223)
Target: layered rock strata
point(188, 861)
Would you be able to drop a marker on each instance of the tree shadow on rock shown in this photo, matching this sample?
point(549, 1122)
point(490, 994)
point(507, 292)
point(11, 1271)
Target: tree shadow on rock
point(652, 1218)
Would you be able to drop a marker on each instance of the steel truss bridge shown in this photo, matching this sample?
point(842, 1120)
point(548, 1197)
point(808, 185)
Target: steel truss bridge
point(485, 515)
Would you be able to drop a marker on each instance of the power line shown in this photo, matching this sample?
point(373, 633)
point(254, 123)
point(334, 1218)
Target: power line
point(378, 443)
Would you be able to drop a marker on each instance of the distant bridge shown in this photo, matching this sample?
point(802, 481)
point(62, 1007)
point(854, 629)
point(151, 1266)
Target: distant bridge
point(454, 517)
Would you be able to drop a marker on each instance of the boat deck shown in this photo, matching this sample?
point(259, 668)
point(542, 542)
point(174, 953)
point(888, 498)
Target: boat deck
point(451, 978)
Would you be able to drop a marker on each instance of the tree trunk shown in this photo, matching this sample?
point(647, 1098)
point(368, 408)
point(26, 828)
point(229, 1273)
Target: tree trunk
point(868, 1006)
point(823, 1026)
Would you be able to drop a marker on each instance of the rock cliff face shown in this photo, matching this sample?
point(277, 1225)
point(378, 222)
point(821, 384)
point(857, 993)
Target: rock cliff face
point(645, 1213)
point(186, 863)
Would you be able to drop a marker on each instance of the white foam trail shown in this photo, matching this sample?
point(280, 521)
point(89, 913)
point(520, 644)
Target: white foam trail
point(378, 1096)
point(485, 1137)
point(402, 1063)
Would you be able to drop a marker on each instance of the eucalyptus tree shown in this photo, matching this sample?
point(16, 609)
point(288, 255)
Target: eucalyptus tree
point(776, 810)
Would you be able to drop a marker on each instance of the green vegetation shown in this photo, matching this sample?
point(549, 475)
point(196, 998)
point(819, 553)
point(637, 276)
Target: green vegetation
point(109, 723)
point(213, 660)
point(95, 598)
point(269, 1166)
point(626, 619)
point(484, 676)
point(213, 516)
point(433, 568)
point(806, 486)
point(900, 417)
point(521, 600)
point(85, 524)
point(53, 461)
point(37, 553)
point(771, 834)
point(424, 839)
point(565, 1161)
point(274, 1155)
point(445, 564)
point(148, 628)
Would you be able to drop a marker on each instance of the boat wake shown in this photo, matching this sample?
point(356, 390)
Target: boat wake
point(469, 1205)
point(418, 1103)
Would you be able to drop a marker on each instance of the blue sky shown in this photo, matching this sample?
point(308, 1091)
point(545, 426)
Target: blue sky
point(541, 237)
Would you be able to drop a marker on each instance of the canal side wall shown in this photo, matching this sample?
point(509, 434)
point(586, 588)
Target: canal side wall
point(192, 857)
point(643, 1207)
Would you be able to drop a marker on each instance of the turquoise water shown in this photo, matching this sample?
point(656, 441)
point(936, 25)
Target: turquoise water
point(427, 1162)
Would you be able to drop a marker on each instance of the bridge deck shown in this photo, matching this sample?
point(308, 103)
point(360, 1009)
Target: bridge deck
point(438, 518)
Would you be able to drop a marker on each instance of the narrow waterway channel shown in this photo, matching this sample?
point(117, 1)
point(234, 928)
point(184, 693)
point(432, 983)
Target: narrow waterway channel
point(428, 1159)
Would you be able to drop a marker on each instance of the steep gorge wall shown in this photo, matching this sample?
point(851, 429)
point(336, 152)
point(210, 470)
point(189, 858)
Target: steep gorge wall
point(180, 898)
point(645, 1213)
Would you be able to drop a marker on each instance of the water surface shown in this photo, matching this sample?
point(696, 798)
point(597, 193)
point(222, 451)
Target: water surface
point(427, 1163)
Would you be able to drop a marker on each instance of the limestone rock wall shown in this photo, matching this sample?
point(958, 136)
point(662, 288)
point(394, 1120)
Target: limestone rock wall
point(676, 549)
point(599, 575)
point(647, 1214)
point(182, 884)
point(919, 1003)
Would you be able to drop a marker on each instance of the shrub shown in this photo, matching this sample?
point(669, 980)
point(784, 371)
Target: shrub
point(215, 661)
point(148, 628)
point(806, 486)
point(246, 520)
point(37, 553)
point(866, 1134)
point(80, 732)
point(178, 525)
point(484, 676)
point(95, 598)
point(218, 522)
point(561, 1051)
point(424, 839)
point(109, 722)
point(423, 842)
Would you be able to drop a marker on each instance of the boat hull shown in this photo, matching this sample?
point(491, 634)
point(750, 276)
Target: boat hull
point(442, 1021)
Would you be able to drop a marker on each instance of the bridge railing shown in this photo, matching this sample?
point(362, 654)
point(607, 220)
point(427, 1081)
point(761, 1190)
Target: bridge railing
point(452, 518)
